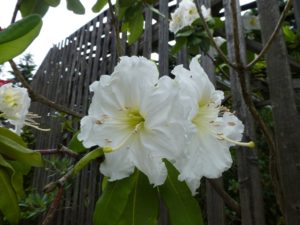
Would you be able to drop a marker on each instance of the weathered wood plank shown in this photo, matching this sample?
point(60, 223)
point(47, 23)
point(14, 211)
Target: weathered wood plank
point(285, 115)
point(248, 174)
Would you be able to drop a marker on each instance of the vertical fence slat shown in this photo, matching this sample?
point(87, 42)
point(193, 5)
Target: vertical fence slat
point(285, 115)
point(250, 188)
point(148, 34)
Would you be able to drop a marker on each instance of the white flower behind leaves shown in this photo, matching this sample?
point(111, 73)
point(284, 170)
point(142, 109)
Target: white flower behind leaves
point(214, 128)
point(14, 105)
point(132, 116)
point(250, 22)
point(186, 14)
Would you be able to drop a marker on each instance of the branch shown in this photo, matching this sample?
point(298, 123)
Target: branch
point(230, 202)
point(241, 73)
point(212, 41)
point(273, 35)
point(61, 150)
point(40, 98)
point(84, 161)
point(53, 208)
point(115, 24)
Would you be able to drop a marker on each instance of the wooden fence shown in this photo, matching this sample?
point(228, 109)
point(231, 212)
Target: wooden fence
point(71, 66)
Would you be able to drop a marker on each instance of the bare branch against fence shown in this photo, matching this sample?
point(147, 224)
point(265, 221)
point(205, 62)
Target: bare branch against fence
point(241, 73)
point(40, 98)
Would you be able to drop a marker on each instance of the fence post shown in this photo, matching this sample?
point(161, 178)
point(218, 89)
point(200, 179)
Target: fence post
point(252, 210)
point(285, 115)
point(296, 9)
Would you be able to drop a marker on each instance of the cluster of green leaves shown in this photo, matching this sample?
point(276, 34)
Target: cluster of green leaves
point(134, 201)
point(292, 39)
point(194, 37)
point(15, 162)
point(34, 204)
point(130, 13)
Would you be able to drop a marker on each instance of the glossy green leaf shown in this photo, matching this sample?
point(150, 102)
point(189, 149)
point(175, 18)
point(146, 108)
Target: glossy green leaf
point(143, 204)
point(14, 151)
point(8, 199)
point(76, 145)
point(182, 206)
point(20, 169)
point(17, 37)
point(9, 134)
point(53, 3)
point(135, 23)
point(111, 204)
point(16, 177)
point(29, 7)
point(75, 6)
point(86, 159)
point(99, 5)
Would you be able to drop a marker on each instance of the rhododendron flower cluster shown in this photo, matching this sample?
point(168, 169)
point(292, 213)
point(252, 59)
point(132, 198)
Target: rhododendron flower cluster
point(186, 14)
point(14, 105)
point(140, 119)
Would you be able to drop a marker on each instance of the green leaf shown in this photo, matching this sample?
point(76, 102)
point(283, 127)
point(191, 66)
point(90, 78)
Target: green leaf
point(53, 3)
point(135, 28)
point(99, 5)
point(29, 7)
point(15, 172)
point(96, 153)
point(17, 37)
point(111, 204)
point(154, 10)
point(126, 3)
point(143, 204)
point(76, 145)
point(75, 6)
point(185, 32)
point(183, 208)
point(289, 35)
point(9, 134)
point(12, 150)
point(8, 199)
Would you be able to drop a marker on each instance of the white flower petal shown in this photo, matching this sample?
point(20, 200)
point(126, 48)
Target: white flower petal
point(150, 164)
point(205, 156)
point(117, 165)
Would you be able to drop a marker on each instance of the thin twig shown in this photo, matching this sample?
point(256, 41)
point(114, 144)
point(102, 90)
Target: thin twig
point(241, 73)
point(212, 41)
point(230, 202)
point(59, 183)
point(40, 98)
point(217, 66)
point(54, 206)
point(72, 172)
point(115, 24)
point(273, 35)
point(60, 150)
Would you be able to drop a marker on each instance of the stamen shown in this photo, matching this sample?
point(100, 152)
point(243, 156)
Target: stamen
point(250, 144)
point(108, 149)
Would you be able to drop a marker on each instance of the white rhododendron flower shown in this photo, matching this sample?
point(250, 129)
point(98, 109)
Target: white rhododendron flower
point(214, 128)
point(186, 14)
point(14, 105)
point(250, 22)
point(134, 118)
